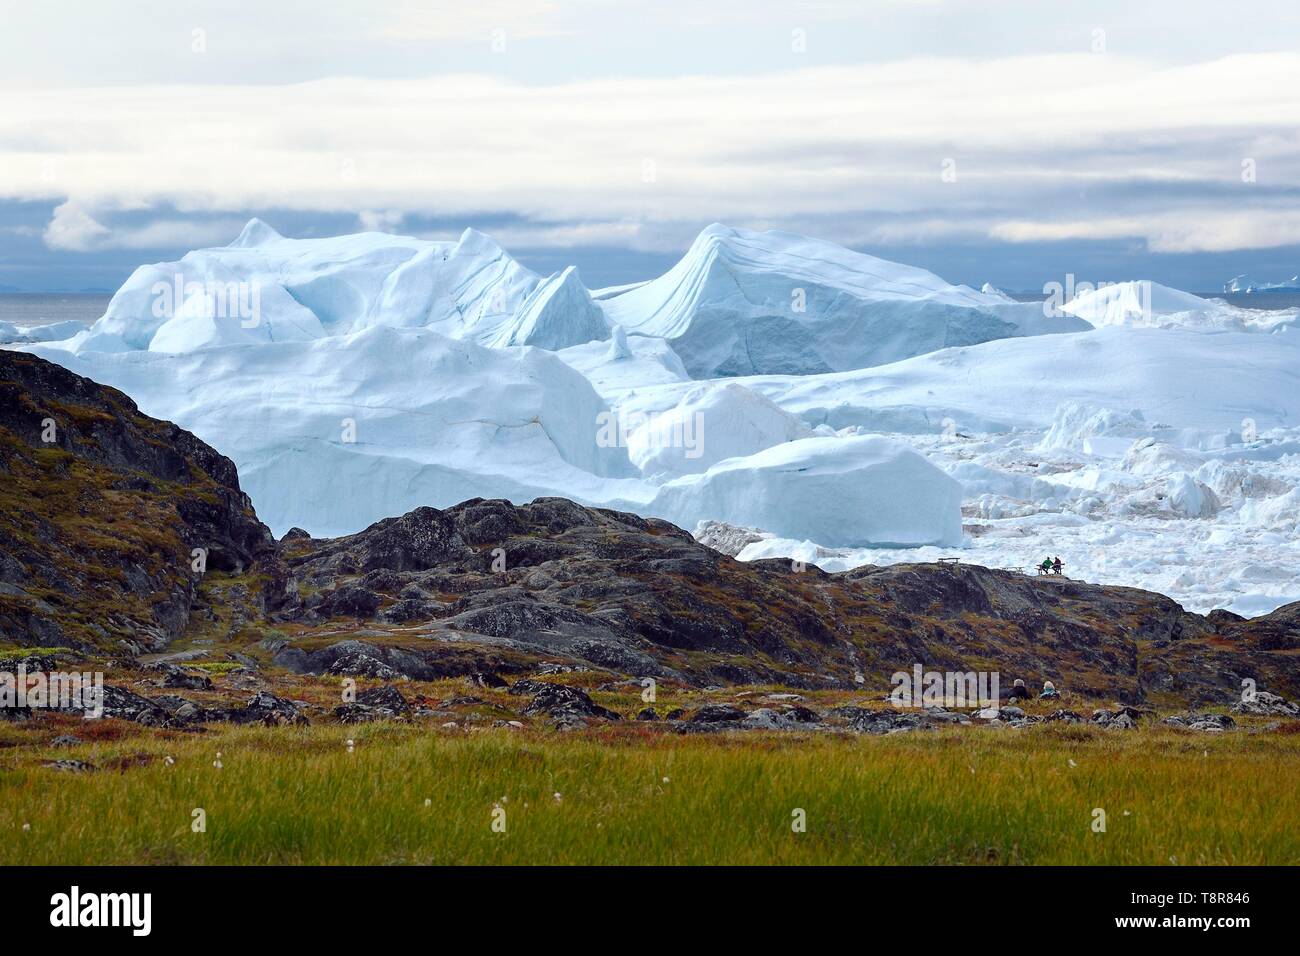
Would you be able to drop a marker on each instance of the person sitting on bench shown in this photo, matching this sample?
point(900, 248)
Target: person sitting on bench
point(1056, 565)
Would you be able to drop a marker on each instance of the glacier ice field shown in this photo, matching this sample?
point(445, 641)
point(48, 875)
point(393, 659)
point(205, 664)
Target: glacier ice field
point(780, 393)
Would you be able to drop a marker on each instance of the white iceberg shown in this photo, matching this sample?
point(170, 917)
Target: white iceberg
point(1243, 283)
point(839, 492)
point(994, 292)
point(1135, 303)
point(1177, 378)
point(45, 332)
point(333, 434)
point(711, 422)
point(742, 302)
point(266, 288)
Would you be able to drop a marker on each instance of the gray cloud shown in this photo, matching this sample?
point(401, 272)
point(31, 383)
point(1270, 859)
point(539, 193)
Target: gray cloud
point(601, 125)
point(1022, 149)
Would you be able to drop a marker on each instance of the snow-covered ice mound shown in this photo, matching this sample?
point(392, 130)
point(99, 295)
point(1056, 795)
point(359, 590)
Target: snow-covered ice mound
point(1093, 430)
point(1149, 304)
point(626, 361)
point(840, 492)
point(1140, 302)
point(333, 434)
point(710, 423)
point(1188, 497)
point(1134, 453)
point(266, 288)
point(742, 303)
point(1173, 377)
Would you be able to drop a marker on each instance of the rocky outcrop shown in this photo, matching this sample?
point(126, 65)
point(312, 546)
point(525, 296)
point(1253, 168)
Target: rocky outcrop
point(262, 708)
point(1264, 704)
point(110, 517)
point(567, 707)
point(726, 538)
point(378, 703)
point(355, 658)
point(1207, 723)
point(640, 597)
point(1123, 718)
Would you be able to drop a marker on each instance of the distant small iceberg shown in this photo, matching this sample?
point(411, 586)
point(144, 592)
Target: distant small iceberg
point(1243, 283)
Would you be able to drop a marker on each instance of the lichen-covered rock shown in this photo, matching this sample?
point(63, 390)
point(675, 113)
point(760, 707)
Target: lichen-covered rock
point(1208, 723)
point(564, 705)
point(379, 703)
point(716, 713)
point(1264, 704)
point(866, 721)
point(265, 708)
point(185, 680)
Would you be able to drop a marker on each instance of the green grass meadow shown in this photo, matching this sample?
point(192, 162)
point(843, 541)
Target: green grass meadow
point(413, 795)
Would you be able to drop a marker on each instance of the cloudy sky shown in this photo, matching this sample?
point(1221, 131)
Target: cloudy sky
point(1013, 141)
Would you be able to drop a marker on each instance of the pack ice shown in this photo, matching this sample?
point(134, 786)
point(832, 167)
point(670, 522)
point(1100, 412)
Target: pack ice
point(821, 404)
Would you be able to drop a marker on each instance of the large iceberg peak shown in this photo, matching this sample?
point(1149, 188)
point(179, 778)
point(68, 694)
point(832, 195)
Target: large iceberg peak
point(475, 243)
point(255, 233)
point(742, 302)
point(558, 313)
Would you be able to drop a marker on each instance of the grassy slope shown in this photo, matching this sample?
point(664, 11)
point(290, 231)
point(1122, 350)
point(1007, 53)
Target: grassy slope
point(958, 796)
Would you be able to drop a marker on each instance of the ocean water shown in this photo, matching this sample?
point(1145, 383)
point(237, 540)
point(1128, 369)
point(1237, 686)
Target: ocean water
point(1288, 299)
point(42, 308)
